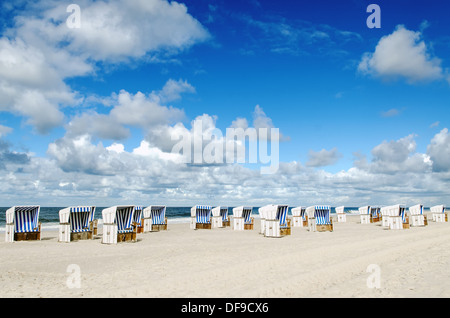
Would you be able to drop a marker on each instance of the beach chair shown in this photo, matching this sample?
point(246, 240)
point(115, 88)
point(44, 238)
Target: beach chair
point(299, 217)
point(201, 217)
point(417, 216)
point(262, 219)
point(242, 218)
point(22, 223)
point(341, 216)
point(76, 223)
point(276, 221)
point(219, 216)
point(438, 213)
point(154, 218)
point(397, 218)
point(319, 218)
point(118, 224)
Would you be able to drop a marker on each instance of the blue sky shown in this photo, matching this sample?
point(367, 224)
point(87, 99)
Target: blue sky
point(353, 104)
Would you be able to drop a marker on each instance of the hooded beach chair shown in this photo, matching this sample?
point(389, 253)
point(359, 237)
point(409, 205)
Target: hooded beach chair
point(417, 216)
point(22, 223)
point(341, 216)
point(118, 224)
point(242, 218)
point(438, 213)
point(299, 217)
point(76, 223)
point(201, 217)
point(154, 218)
point(219, 216)
point(397, 218)
point(319, 218)
point(276, 221)
point(262, 217)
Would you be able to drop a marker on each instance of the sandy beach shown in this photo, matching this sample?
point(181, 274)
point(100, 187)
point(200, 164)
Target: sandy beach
point(181, 262)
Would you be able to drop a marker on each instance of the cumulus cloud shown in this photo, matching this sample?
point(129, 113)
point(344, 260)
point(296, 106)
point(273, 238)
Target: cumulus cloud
point(439, 151)
point(402, 54)
point(323, 158)
point(39, 45)
point(399, 156)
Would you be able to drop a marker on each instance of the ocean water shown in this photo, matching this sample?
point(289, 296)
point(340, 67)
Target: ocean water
point(49, 216)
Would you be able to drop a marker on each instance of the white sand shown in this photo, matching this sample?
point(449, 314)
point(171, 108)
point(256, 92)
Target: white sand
point(224, 263)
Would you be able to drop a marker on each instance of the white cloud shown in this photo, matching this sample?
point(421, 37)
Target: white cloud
point(402, 54)
point(41, 46)
point(323, 158)
point(4, 130)
point(439, 151)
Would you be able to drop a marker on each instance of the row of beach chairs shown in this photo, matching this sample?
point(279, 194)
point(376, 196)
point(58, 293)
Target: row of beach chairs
point(123, 223)
point(120, 223)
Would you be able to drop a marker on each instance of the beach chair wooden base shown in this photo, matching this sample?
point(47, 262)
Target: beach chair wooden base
point(374, 220)
point(27, 236)
point(425, 221)
point(226, 223)
point(159, 227)
point(324, 227)
point(81, 236)
point(406, 226)
point(203, 226)
point(126, 237)
point(248, 226)
point(285, 231)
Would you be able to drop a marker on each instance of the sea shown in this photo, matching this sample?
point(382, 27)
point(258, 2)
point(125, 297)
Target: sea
point(49, 216)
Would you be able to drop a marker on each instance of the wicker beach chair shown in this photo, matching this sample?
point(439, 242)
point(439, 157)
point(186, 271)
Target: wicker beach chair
point(276, 221)
point(118, 224)
point(242, 218)
point(76, 223)
point(154, 218)
point(319, 218)
point(201, 217)
point(22, 223)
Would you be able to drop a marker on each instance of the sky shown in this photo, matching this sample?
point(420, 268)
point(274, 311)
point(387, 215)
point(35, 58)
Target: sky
point(94, 94)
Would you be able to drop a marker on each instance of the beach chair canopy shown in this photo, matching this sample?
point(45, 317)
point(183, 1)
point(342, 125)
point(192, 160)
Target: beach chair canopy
point(157, 213)
point(121, 215)
point(437, 209)
point(78, 217)
point(202, 213)
point(138, 214)
point(243, 212)
point(275, 212)
point(25, 218)
point(416, 209)
point(299, 211)
point(339, 209)
point(320, 212)
point(221, 211)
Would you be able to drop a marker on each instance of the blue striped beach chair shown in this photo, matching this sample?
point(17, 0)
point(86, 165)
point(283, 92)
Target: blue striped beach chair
point(276, 221)
point(219, 216)
point(299, 217)
point(155, 218)
point(242, 218)
point(77, 223)
point(418, 218)
point(396, 215)
point(118, 224)
point(319, 218)
point(22, 223)
point(201, 217)
point(439, 214)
